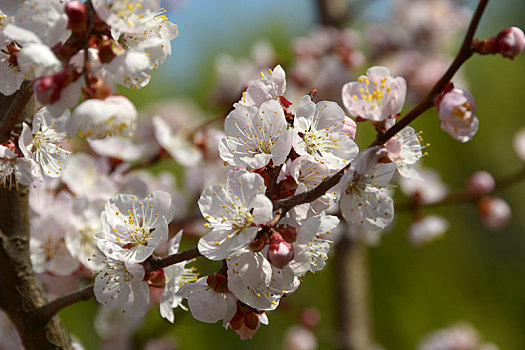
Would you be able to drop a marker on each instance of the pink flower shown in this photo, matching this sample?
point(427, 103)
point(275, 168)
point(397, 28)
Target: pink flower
point(457, 113)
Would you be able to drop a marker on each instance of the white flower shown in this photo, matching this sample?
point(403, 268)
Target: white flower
point(177, 275)
point(119, 285)
point(364, 199)
point(206, 304)
point(45, 18)
point(43, 144)
point(249, 277)
point(233, 212)
point(48, 248)
point(376, 96)
point(459, 336)
point(179, 146)
point(129, 16)
point(84, 224)
point(310, 248)
point(14, 170)
point(88, 177)
point(254, 136)
point(93, 118)
point(318, 133)
point(132, 229)
point(266, 88)
point(404, 150)
point(427, 229)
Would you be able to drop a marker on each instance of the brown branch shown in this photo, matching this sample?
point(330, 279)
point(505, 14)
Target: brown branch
point(333, 13)
point(464, 195)
point(464, 53)
point(50, 309)
point(16, 102)
point(155, 263)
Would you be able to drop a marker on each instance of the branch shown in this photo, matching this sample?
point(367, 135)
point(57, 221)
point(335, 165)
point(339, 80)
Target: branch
point(465, 195)
point(464, 53)
point(16, 102)
point(155, 263)
point(50, 309)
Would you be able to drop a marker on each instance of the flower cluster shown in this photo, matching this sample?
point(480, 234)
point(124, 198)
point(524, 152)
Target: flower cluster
point(69, 50)
point(278, 151)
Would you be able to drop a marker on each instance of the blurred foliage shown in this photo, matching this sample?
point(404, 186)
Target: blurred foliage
point(471, 275)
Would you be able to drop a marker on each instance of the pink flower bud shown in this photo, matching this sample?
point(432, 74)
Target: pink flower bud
point(457, 113)
point(495, 212)
point(481, 183)
point(349, 127)
point(310, 317)
point(280, 252)
point(76, 12)
point(510, 42)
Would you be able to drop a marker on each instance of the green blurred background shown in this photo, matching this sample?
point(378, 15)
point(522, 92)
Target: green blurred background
point(472, 275)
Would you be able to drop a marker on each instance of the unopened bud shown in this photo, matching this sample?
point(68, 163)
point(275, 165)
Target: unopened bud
point(76, 13)
point(481, 183)
point(495, 212)
point(510, 42)
point(280, 252)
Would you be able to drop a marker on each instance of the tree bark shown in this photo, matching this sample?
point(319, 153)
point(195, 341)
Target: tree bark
point(20, 295)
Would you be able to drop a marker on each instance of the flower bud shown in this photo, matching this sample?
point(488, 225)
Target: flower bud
point(519, 144)
point(156, 278)
point(495, 212)
point(457, 113)
point(481, 183)
point(76, 12)
point(246, 321)
point(280, 252)
point(510, 42)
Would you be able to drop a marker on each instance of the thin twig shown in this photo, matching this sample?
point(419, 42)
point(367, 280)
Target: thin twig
point(155, 263)
point(90, 24)
point(464, 196)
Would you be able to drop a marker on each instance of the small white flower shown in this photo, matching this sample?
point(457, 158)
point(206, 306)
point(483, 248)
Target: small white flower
point(427, 229)
point(128, 16)
point(178, 144)
point(119, 285)
point(428, 189)
point(43, 144)
point(14, 170)
point(376, 96)
point(93, 118)
point(249, 277)
point(233, 212)
point(268, 87)
point(207, 305)
point(254, 136)
point(48, 248)
point(310, 248)
point(84, 224)
point(177, 275)
point(364, 199)
point(132, 229)
point(318, 133)
point(404, 150)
